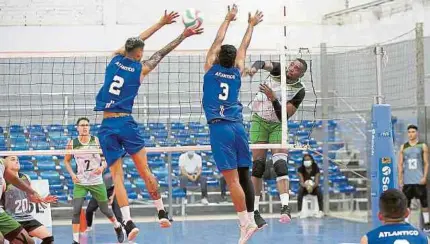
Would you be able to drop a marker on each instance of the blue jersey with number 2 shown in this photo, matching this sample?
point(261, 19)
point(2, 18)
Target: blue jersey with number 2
point(122, 82)
point(221, 88)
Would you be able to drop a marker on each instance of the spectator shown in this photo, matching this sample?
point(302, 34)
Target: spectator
point(309, 174)
point(191, 170)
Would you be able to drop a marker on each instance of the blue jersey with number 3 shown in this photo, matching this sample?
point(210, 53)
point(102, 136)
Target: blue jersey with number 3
point(122, 82)
point(221, 88)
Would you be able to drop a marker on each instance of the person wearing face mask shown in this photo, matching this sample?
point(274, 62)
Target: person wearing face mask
point(190, 164)
point(309, 175)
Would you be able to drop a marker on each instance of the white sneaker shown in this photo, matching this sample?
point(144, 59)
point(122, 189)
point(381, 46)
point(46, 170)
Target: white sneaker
point(246, 232)
point(205, 201)
point(89, 229)
point(320, 214)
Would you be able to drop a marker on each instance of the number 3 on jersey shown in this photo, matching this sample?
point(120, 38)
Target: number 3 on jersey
point(224, 95)
point(115, 86)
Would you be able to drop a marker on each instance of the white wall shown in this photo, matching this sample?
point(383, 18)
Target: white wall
point(103, 25)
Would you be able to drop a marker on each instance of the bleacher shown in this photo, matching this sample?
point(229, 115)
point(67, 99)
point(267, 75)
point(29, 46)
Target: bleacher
point(38, 137)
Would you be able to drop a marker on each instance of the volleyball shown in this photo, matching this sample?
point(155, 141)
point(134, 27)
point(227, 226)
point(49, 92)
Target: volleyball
point(192, 18)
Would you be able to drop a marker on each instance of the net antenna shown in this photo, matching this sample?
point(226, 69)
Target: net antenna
point(283, 58)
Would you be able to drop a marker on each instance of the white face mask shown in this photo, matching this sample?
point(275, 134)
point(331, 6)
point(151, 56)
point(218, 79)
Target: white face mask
point(307, 163)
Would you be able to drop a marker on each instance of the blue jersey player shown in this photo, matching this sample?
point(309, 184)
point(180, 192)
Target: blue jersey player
point(393, 206)
point(118, 133)
point(224, 67)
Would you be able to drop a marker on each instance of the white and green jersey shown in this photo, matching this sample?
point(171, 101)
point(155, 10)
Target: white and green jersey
point(87, 163)
point(263, 107)
point(16, 202)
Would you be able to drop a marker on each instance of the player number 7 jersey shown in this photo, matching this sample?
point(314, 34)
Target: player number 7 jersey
point(87, 163)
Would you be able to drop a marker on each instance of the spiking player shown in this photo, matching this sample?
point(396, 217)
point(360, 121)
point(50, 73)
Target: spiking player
point(10, 229)
point(16, 204)
point(119, 133)
point(222, 81)
point(88, 178)
point(267, 128)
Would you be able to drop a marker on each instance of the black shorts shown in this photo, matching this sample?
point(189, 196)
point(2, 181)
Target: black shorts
point(416, 191)
point(30, 225)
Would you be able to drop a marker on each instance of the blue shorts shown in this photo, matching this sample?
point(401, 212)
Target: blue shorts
point(118, 136)
point(230, 145)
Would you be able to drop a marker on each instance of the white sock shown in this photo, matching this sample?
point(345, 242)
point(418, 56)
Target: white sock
point(125, 211)
point(285, 198)
point(116, 224)
point(426, 217)
point(407, 219)
point(251, 217)
point(159, 204)
point(243, 218)
point(256, 203)
point(76, 237)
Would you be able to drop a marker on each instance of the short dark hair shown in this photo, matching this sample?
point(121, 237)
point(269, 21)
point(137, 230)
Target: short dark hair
point(227, 56)
point(305, 65)
point(393, 204)
point(412, 127)
point(82, 118)
point(133, 43)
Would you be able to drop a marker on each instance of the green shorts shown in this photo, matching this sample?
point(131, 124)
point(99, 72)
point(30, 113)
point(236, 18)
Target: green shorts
point(9, 227)
point(97, 191)
point(265, 131)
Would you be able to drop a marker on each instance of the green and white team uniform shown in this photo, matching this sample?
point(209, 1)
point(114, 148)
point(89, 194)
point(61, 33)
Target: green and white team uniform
point(8, 225)
point(265, 126)
point(86, 163)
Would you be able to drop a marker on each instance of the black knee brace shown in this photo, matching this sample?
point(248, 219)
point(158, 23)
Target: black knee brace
point(280, 166)
point(258, 168)
point(48, 240)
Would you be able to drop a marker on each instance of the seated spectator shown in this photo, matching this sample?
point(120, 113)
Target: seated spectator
point(309, 175)
point(191, 169)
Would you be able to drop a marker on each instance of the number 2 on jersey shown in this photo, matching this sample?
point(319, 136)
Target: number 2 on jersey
point(21, 206)
point(115, 86)
point(224, 95)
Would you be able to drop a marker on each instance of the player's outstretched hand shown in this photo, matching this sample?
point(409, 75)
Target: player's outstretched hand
point(168, 19)
point(256, 19)
point(231, 13)
point(36, 198)
point(51, 199)
point(192, 31)
point(250, 71)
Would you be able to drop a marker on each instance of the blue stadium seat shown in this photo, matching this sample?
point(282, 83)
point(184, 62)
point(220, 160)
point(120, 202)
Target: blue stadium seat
point(204, 141)
point(134, 174)
point(19, 147)
point(153, 155)
point(145, 195)
point(128, 186)
point(159, 134)
point(293, 124)
point(140, 184)
point(52, 176)
point(165, 143)
point(41, 145)
point(347, 189)
point(1, 130)
point(42, 158)
point(55, 128)
point(160, 173)
point(31, 174)
point(18, 140)
point(15, 129)
point(95, 127)
point(207, 172)
point(156, 163)
point(195, 126)
point(55, 187)
point(71, 128)
point(303, 133)
point(128, 162)
point(132, 195)
point(182, 135)
point(46, 165)
point(55, 135)
point(212, 182)
point(178, 193)
point(35, 128)
point(186, 142)
point(25, 157)
point(26, 165)
point(63, 167)
point(156, 126)
point(177, 126)
point(150, 144)
point(59, 143)
point(201, 135)
point(62, 197)
point(164, 182)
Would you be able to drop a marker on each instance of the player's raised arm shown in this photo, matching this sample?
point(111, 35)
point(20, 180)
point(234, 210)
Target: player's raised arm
point(216, 45)
point(241, 53)
point(166, 19)
point(154, 60)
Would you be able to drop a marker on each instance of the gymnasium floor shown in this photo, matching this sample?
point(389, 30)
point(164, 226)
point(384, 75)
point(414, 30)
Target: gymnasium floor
point(308, 231)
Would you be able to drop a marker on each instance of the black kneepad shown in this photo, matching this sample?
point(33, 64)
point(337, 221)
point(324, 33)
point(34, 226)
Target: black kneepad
point(280, 167)
point(258, 168)
point(48, 240)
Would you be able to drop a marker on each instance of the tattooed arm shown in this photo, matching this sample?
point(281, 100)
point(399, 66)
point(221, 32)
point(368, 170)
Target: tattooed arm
point(154, 60)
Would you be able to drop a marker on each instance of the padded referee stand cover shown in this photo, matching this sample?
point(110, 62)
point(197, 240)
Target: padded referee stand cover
point(383, 163)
